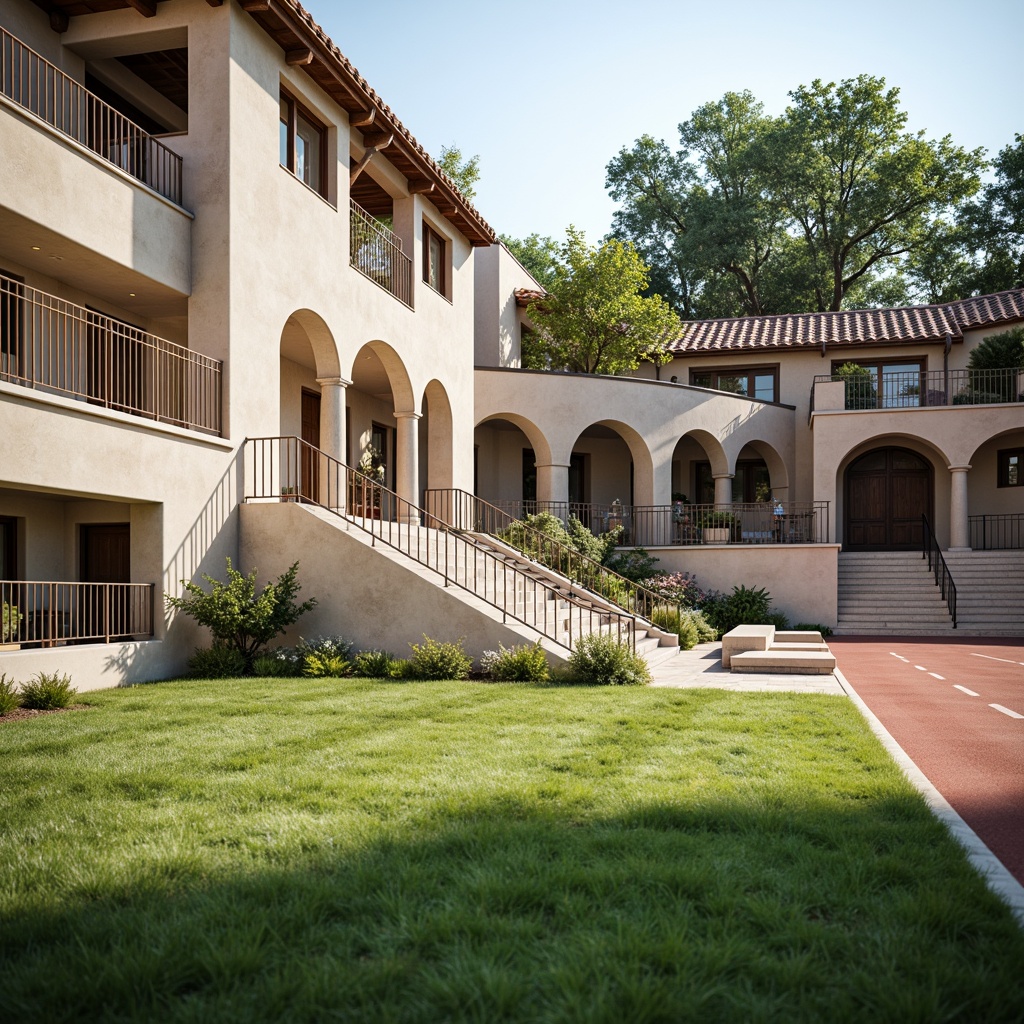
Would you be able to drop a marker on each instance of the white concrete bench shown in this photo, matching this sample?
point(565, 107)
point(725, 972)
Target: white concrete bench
point(745, 638)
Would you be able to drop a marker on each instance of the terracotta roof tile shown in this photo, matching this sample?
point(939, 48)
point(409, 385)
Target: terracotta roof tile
point(850, 327)
point(524, 296)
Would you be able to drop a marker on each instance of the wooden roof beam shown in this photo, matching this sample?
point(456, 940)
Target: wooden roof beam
point(362, 118)
point(296, 58)
point(59, 20)
point(378, 140)
point(215, 3)
point(255, 5)
point(147, 8)
point(420, 187)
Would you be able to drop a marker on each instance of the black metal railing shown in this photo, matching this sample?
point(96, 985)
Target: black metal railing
point(937, 566)
point(377, 254)
point(919, 389)
point(786, 522)
point(47, 613)
point(289, 469)
point(998, 532)
point(40, 87)
point(465, 511)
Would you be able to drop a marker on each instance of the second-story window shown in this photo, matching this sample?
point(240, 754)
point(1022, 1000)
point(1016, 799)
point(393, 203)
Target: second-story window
point(303, 144)
point(435, 260)
point(754, 382)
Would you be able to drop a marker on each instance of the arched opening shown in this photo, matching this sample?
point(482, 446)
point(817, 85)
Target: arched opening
point(995, 493)
point(697, 459)
point(436, 455)
point(886, 491)
point(507, 449)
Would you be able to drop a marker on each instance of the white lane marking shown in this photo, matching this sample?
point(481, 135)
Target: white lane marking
point(1006, 711)
point(920, 668)
point(900, 656)
point(1008, 661)
point(935, 675)
point(963, 689)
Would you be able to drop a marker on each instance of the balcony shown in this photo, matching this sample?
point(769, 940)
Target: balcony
point(55, 346)
point(65, 105)
point(918, 389)
point(377, 254)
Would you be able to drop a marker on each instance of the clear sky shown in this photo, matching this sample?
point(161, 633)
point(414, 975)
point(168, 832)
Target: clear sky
point(548, 91)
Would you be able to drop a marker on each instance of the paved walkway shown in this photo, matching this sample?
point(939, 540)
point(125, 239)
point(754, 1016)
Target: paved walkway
point(703, 667)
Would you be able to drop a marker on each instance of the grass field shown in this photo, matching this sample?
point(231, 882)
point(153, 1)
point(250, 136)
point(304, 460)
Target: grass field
point(314, 850)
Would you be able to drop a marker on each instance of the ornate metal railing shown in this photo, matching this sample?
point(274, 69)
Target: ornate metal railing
point(996, 532)
point(928, 389)
point(47, 613)
point(937, 565)
point(288, 469)
point(40, 87)
point(377, 254)
point(54, 345)
point(790, 522)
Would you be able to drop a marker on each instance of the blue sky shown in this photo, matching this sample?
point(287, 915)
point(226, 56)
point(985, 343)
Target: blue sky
point(548, 92)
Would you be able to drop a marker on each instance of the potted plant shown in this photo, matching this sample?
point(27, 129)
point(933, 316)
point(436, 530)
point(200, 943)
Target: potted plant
point(715, 526)
point(368, 483)
point(289, 494)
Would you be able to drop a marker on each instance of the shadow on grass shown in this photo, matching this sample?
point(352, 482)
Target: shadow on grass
point(499, 909)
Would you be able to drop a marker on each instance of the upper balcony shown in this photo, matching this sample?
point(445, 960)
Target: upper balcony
point(376, 252)
point(41, 88)
point(54, 346)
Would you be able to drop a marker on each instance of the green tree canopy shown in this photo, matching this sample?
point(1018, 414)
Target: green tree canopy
point(594, 319)
point(537, 253)
point(465, 173)
point(819, 209)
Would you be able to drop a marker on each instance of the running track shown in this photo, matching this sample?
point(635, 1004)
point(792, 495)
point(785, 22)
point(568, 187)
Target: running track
point(936, 697)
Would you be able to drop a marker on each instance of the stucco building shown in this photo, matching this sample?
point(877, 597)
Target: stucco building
point(212, 230)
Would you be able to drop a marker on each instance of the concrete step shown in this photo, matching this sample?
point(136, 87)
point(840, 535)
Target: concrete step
point(790, 662)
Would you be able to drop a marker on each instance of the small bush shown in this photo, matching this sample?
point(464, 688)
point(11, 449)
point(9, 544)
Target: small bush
point(524, 663)
point(373, 665)
point(745, 605)
point(433, 659)
point(326, 666)
point(47, 691)
point(599, 660)
point(276, 664)
point(10, 623)
point(216, 662)
point(636, 565)
point(678, 586)
point(823, 630)
point(776, 619)
point(10, 699)
point(671, 619)
point(401, 668)
point(706, 633)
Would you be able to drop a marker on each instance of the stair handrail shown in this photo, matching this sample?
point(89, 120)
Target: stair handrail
point(287, 468)
point(937, 565)
point(580, 569)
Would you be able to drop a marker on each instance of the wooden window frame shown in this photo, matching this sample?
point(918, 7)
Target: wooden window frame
point(1003, 467)
point(739, 371)
point(445, 267)
point(295, 108)
point(878, 363)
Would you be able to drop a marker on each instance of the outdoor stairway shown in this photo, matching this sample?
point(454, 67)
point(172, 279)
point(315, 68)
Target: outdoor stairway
point(990, 591)
point(553, 609)
point(890, 592)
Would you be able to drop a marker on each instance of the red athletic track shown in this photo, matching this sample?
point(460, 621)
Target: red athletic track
point(972, 753)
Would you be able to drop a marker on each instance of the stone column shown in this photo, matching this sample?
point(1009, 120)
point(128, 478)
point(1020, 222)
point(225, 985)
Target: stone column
point(407, 472)
point(723, 488)
point(553, 483)
point(333, 483)
point(959, 535)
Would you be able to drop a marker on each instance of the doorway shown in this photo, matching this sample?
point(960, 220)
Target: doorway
point(104, 557)
point(887, 492)
point(309, 478)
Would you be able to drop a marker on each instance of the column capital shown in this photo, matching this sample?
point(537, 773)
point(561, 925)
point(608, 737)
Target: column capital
point(723, 476)
point(408, 415)
point(340, 382)
point(959, 469)
point(555, 465)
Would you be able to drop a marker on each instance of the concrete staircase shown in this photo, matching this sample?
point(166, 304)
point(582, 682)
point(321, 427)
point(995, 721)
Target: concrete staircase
point(990, 591)
point(890, 592)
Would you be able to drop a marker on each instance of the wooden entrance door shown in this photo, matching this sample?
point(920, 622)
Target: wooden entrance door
point(105, 558)
point(309, 473)
point(887, 492)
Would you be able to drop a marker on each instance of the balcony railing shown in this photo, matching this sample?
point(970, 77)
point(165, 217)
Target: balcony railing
point(53, 345)
point(377, 254)
point(42, 88)
point(999, 532)
point(931, 388)
point(791, 522)
point(48, 613)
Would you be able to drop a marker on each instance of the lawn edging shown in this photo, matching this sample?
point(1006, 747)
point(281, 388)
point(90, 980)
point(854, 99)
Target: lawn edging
point(997, 877)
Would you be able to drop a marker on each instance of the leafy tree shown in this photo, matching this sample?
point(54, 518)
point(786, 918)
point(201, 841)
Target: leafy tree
point(237, 616)
point(861, 392)
point(465, 173)
point(537, 253)
point(594, 319)
point(998, 352)
point(818, 209)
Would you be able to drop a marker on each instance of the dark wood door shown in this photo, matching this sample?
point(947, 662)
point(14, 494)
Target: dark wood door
point(887, 492)
point(309, 484)
point(105, 558)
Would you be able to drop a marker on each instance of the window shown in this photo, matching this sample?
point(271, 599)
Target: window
point(303, 144)
point(8, 548)
point(750, 483)
point(754, 382)
point(1011, 467)
point(435, 263)
point(900, 388)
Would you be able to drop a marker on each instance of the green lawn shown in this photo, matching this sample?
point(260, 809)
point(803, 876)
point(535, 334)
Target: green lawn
point(313, 850)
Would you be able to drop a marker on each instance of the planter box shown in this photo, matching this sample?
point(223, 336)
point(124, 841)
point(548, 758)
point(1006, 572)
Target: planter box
point(716, 535)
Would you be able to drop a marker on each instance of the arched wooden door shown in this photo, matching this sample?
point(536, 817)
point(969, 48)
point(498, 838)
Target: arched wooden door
point(887, 492)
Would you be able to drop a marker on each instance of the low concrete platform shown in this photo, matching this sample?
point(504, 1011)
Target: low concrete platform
point(797, 662)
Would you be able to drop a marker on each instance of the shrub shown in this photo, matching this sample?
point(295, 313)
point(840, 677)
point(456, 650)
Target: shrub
point(433, 659)
point(216, 662)
point(373, 665)
point(278, 663)
point(524, 663)
point(9, 696)
point(636, 565)
point(10, 622)
point(670, 618)
point(401, 668)
point(776, 619)
point(237, 616)
point(706, 633)
point(678, 587)
point(324, 656)
point(744, 605)
point(47, 691)
point(598, 660)
point(823, 630)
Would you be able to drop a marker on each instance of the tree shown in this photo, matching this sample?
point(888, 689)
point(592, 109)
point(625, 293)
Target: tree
point(819, 209)
point(537, 253)
point(594, 319)
point(465, 173)
point(236, 615)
